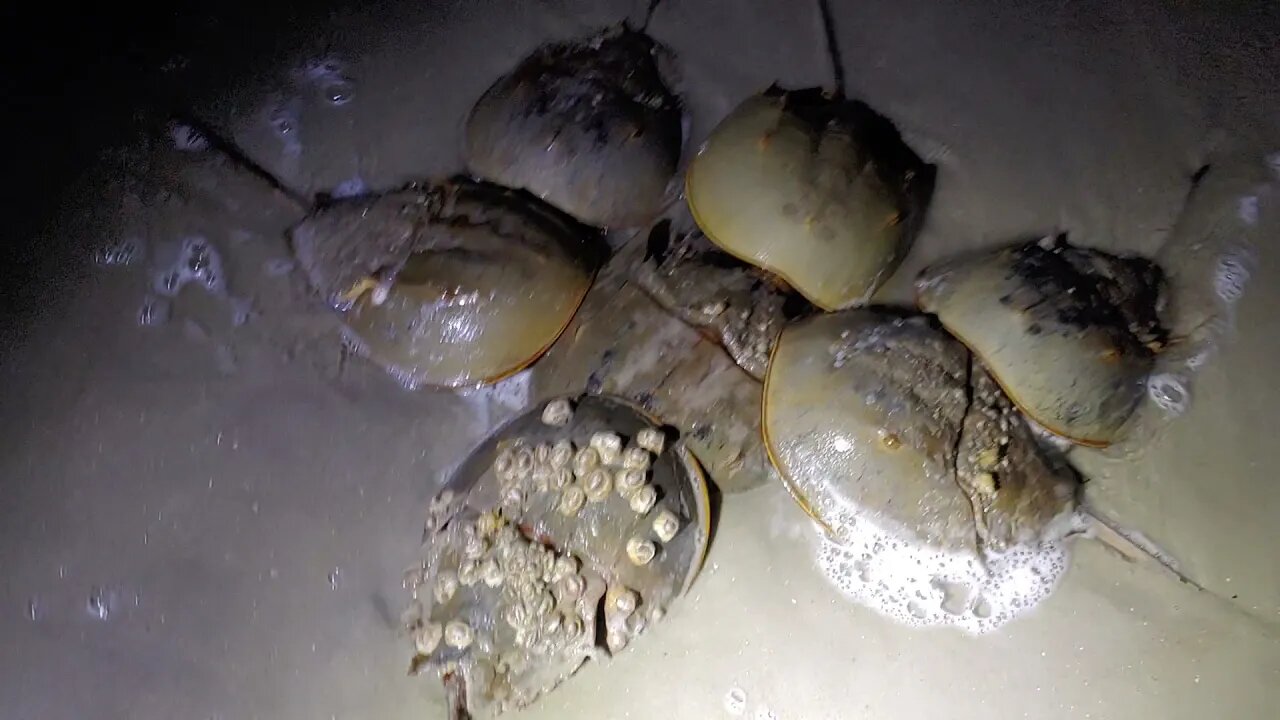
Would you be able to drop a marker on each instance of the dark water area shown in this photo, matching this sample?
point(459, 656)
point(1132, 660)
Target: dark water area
point(82, 80)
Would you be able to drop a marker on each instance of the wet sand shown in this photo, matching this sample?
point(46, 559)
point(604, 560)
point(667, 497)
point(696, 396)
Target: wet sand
point(210, 519)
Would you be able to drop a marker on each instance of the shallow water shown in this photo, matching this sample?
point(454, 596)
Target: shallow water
point(207, 513)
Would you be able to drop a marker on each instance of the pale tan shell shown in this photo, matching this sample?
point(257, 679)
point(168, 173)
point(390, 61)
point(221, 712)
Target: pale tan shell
point(479, 281)
point(1069, 333)
point(819, 191)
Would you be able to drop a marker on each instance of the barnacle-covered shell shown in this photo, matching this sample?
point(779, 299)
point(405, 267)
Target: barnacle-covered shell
point(530, 600)
point(867, 413)
point(478, 280)
point(588, 125)
point(821, 191)
point(1070, 333)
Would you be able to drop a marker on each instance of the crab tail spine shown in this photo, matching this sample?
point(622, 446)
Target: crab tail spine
point(833, 48)
point(222, 142)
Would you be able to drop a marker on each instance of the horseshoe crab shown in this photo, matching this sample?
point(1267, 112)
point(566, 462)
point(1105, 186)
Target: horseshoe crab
point(1070, 333)
point(819, 189)
point(561, 538)
point(626, 342)
point(451, 284)
point(867, 410)
point(590, 126)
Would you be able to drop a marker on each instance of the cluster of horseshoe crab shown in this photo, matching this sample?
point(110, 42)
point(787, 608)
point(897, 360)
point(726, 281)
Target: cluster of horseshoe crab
point(747, 347)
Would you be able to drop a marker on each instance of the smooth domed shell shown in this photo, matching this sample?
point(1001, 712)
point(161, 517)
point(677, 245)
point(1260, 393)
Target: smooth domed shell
point(554, 572)
point(1070, 333)
point(879, 415)
point(863, 412)
point(624, 343)
point(822, 192)
point(479, 281)
point(590, 126)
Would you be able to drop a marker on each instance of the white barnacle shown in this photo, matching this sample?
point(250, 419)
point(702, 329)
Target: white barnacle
point(616, 640)
point(628, 481)
point(428, 637)
point(446, 586)
point(541, 477)
point(564, 566)
point(488, 524)
point(458, 634)
point(561, 455)
point(666, 525)
point(608, 445)
point(523, 463)
point(490, 573)
point(468, 573)
point(557, 412)
point(635, 458)
point(474, 546)
point(622, 601)
point(542, 454)
point(652, 440)
point(571, 625)
point(572, 498)
point(597, 484)
point(585, 461)
point(642, 499)
point(504, 465)
point(561, 477)
point(513, 500)
point(641, 551)
point(570, 587)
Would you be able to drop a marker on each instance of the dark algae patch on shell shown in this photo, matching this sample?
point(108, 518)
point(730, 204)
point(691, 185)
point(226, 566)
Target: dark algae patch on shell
point(589, 125)
point(1070, 333)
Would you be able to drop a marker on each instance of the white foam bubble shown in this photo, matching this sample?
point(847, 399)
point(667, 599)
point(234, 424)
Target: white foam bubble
point(920, 586)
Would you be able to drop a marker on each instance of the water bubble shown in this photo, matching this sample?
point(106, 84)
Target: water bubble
point(279, 267)
point(98, 605)
point(334, 576)
point(34, 611)
point(735, 701)
point(154, 311)
point(187, 138)
point(283, 122)
point(1168, 393)
point(337, 93)
point(350, 188)
point(1230, 277)
point(125, 251)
